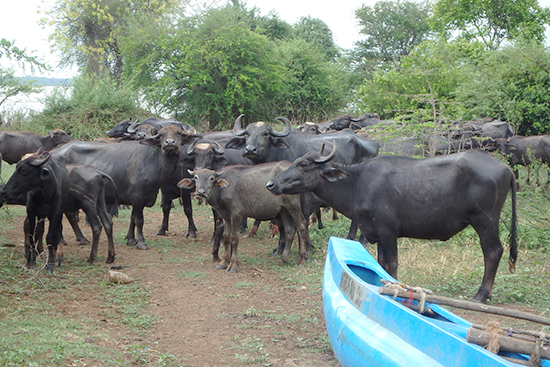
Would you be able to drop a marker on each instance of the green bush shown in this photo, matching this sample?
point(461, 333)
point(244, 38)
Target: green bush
point(87, 108)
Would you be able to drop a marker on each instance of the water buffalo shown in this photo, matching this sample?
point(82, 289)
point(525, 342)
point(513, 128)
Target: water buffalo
point(524, 150)
point(432, 198)
point(209, 155)
point(14, 145)
point(138, 169)
point(260, 143)
point(43, 182)
point(124, 127)
point(238, 192)
point(349, 122)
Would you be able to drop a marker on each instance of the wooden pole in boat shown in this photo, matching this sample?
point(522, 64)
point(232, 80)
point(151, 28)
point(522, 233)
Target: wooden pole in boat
point(467, 305)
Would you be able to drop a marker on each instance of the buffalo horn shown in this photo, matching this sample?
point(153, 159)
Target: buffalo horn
point(237, 129)
point(218, 174)
point(327, 158)
point(132, 128)
point(218, 149)
point(191, 149)
point(40, 160)
point(285, 131)
point(192, 173)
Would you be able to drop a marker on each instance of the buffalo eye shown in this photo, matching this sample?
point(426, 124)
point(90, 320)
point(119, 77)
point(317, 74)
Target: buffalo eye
point(266, 133)
point(211, 153)
point(211, 178)
point(23, 170)
point(302, 164)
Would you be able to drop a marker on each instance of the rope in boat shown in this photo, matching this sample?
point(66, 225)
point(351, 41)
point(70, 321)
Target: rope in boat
point(408, 293)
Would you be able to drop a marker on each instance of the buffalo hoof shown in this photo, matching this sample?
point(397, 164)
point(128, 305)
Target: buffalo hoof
point(90, 260)
point(141, 245)
point(161, 232)
point(131, 242)
point(110, 259)
point(50, 268)
point(221, 267)
point(232, 270)
point(191, 235)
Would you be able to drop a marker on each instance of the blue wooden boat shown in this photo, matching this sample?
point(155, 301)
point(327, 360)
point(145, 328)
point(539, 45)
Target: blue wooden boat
point(366, 328)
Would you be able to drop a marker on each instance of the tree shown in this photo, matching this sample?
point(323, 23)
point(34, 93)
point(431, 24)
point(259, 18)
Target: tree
point(87, 32)
point(212, 67)
point(513, 82)
point(10, 85)
point(314, 87)
point(490, 21)
point(317, 32)
point(392, 30)
point(423, 86)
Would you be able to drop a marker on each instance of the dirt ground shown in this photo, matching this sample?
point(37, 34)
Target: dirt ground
point(204, 316)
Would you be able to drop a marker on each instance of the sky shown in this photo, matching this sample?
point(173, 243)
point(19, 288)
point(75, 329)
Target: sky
point(19, 22)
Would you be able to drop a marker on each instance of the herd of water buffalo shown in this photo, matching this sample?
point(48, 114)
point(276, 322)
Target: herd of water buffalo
point(262, 173)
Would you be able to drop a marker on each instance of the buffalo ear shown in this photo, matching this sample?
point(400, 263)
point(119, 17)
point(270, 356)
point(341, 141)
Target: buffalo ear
point(279, 143)
point(187, 183)
point(334, 174)
point(222, 183)
point(235, 143)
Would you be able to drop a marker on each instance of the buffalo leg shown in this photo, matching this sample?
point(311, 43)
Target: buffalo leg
point(166, 205)
point(300, 225)
point(254, 230)
point(188, 210)
point(30, 244)
point(73, 221)
point(137, 215)
point(234, 244)
point(93, 219)
point(290, 230)
point(130, 236)
point(217, 236)
point(492, 252)
point(52, 240)
point(387, 253)
point(108, 226)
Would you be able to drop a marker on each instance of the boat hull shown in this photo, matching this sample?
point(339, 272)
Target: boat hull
point(368, 329)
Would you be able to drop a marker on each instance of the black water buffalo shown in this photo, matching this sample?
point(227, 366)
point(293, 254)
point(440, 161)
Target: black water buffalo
point(86, 192)
point(43, 183)
point(123, 127)
point(140, 132)
point(435, 198)
point(138, 169)
point(524, 150)
point(238, 192)
point(14, 145)
point(260, 143)
point(310, 128)
point(349, 122)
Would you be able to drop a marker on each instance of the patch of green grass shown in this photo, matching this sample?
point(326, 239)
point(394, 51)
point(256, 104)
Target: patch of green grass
point(191, 274)
point(129, 302)
point(253, 348)
point(244, 285)
point(35, 339)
